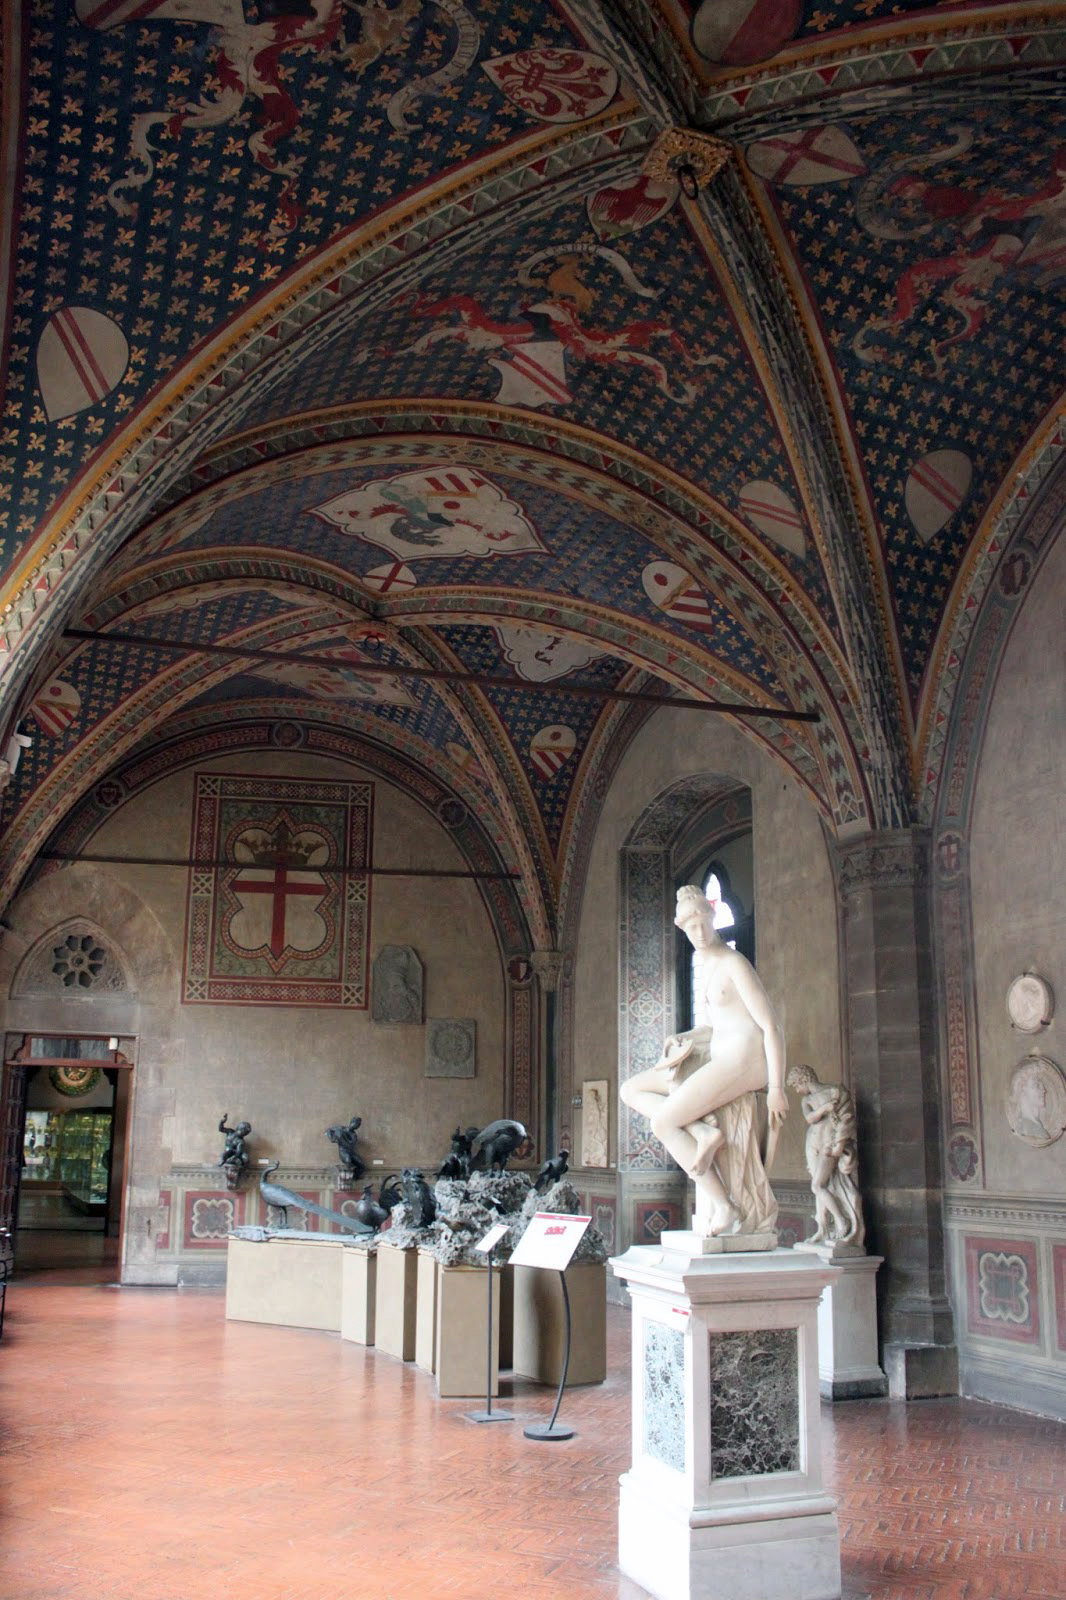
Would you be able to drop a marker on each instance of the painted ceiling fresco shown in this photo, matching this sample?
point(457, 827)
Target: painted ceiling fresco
point(411, 335)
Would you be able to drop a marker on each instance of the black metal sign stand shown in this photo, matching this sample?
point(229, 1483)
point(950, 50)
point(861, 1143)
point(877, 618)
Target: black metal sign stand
point(551, 1430)
point(488, 1415)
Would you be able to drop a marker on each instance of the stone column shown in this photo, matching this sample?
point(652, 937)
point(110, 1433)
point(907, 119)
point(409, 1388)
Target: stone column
point(891, 1038)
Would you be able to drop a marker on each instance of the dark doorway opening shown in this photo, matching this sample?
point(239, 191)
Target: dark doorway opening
point(64, 1116)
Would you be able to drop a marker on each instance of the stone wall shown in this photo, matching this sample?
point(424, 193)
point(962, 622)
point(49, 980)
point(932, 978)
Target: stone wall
point(288, 1070)
point(1007, 1222)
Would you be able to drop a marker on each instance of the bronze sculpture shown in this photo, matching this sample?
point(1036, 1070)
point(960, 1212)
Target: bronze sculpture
point(234, 1158)
point(346, 1139)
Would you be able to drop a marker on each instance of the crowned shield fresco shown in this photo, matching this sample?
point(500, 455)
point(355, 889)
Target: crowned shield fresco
point(278, 903)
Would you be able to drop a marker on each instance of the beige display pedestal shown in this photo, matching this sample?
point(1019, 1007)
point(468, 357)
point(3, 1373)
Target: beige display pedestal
point(540, 1324)
point(462, 1313)
point(359, 1281)
point(293, 1282)
point(396, 1301)
point(426, 1313)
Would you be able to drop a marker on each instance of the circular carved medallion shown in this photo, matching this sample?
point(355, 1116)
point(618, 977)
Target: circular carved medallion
point(1036, 1102)
point(1030, 1003)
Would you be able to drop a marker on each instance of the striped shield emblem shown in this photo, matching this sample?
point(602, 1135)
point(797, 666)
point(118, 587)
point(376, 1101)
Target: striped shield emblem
point(81, 356)
point(677, 594)
point(769, 509)
point(56, 707)
point(936, 487)
point(551, 748)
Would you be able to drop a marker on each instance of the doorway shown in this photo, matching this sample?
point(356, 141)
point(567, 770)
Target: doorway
point(64, 1107)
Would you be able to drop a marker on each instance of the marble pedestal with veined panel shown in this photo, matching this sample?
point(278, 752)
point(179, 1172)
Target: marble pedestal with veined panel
point(725, 1498)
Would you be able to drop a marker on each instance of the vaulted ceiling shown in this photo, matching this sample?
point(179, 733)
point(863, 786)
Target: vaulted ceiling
point(361, 354)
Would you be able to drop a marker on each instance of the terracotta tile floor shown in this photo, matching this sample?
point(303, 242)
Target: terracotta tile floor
point(151, 1451)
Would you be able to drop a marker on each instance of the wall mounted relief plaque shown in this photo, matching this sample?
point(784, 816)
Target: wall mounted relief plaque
point(451, 1047)
point(1036, 1101)
point(594, 1113)
point(396, 985)
point(1030, 1003)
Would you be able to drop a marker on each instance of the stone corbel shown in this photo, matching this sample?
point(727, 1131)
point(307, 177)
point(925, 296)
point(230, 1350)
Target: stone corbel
point(550, 968)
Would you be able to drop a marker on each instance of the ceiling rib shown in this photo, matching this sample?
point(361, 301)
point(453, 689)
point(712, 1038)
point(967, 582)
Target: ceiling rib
point(443, 675)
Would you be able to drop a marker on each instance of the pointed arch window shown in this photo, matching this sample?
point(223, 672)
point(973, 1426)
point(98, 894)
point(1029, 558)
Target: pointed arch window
point(732, 923)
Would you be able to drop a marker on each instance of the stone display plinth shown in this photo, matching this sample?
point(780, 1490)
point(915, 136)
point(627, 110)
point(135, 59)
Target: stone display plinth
point(397, 1298)
point(359, 1280)
point(848, 1368)
point(540, 1323)
point(287, 1279)
point(724, 1499)
point(462, 1315)
point(426, 1313)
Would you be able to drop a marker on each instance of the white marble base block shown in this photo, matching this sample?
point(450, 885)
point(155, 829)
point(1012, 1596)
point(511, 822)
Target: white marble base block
point(724, 1499)
point(397, 1300)
point(848, 1368)
point(359, 1279)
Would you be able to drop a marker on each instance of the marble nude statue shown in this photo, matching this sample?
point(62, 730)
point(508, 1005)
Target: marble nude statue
point(832, 1159)
point(703, 1095)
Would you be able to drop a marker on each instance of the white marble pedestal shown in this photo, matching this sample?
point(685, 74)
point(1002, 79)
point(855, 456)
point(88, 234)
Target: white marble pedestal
point(724, 1499)
point(848, 1368)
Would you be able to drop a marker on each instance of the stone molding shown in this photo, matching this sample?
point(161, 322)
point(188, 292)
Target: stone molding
point(889, 859)
point(984, 1210)
point(550, 967)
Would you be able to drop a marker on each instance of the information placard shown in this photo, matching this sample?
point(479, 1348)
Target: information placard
point(550, 1240)
point(493, 1237)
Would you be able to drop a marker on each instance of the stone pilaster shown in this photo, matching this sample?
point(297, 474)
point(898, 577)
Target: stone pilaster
point(891, 1035)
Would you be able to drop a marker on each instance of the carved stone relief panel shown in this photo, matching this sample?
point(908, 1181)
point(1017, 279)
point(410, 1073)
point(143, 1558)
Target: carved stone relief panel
point(451, 1047)
point(397, 985)
point(1036, 1102)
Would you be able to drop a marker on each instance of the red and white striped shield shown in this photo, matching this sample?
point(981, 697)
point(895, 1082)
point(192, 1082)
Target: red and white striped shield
point(674, 591)
point(769, 509)
point(739, 32)
point(81, 356)
point(551, 748)
point(533, 374)
point(56, 707)
point(936, 487)
point(106, 14)
point(807, 155)
point(393, 578)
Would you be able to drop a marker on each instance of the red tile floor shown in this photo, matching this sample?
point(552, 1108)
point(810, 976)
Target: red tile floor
point(151, 1451)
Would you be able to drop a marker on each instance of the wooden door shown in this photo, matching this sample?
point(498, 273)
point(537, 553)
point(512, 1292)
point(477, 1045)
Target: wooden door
point(12, 1118)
